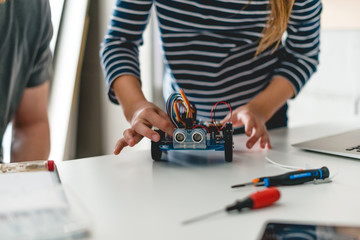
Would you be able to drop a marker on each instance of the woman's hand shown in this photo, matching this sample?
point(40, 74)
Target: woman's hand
point(145, 116)
point(254, 125)
point(140, 113)
point(260, 109)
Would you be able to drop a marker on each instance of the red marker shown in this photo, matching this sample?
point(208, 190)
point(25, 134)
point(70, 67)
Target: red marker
point(256, 200)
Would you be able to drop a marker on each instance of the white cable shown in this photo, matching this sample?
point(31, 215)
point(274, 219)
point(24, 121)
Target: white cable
point(284, 166)
point(327, 180)
point(316, 181)
point(335, 174)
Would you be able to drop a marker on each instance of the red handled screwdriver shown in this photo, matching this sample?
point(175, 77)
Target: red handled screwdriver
point(290, 178)
point(256, 200)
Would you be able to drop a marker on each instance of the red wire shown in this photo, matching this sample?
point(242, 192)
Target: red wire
point(213, 110)
point(201, 126)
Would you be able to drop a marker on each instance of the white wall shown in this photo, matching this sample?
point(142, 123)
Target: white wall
point(334, 90)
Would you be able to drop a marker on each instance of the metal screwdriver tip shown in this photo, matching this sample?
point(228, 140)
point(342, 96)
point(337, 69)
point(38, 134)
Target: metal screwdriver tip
point(204, 216)
point(242, 185)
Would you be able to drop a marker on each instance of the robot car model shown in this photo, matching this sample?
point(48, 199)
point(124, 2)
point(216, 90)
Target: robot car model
point(192, 134)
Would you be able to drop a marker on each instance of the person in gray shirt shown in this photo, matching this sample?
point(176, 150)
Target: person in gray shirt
point(25, 71)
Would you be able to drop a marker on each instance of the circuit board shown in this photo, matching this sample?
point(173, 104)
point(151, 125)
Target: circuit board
point(192, 134)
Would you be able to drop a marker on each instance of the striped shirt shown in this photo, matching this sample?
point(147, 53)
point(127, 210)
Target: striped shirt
point(209, 47)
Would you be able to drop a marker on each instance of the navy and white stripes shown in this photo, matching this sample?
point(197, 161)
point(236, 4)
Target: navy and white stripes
point(209, 47)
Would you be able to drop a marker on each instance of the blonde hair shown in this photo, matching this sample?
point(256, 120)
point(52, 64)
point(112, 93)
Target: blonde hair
point(276, 24)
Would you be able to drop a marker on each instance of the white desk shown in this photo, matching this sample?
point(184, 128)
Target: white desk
point(131, 197)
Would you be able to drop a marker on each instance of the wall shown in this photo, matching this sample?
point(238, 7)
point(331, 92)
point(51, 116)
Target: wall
point(333, 91)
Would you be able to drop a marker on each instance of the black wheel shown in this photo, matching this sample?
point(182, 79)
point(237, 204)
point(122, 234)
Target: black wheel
point(228, 142)
point(155, 147)
point(155, 151)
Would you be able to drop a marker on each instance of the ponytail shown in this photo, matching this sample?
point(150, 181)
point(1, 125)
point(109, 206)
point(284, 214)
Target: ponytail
point(276, 24)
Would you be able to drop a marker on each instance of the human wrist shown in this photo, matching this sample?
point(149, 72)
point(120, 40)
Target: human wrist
point(130, 110)
point(128, 91)
point(275, 95)
point(259, 109)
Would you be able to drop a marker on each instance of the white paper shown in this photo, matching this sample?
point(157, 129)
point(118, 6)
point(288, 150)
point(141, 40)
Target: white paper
point(28, 191)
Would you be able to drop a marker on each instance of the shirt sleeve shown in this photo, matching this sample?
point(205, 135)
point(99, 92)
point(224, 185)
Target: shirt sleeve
point(300, 57)
point(42, 69)
point(119, 50)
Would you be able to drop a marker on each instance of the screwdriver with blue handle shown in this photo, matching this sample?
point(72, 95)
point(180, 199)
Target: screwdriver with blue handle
point(290, 178)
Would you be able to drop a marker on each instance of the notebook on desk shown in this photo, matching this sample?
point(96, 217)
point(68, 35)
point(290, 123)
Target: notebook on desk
point(346, 144)
point(35, 204)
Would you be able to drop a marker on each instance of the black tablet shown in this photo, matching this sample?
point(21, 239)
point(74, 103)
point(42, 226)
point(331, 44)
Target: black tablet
point(308, 231)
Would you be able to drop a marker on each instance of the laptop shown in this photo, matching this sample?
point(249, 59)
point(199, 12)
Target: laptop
point(346, 144)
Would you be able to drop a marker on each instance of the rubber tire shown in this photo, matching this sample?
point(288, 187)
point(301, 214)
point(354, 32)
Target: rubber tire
point(156, 152)
point(228, 142)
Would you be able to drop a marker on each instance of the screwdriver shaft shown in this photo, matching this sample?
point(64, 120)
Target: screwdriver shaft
point(199, 218)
